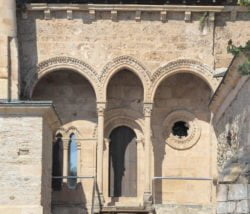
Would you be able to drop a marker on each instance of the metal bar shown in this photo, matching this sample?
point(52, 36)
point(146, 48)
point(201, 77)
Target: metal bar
point(72, 177)
point(83, 139)
point(182, 178)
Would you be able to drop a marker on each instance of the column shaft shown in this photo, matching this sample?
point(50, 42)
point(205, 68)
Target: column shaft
point(65, 159)
point(100, 111)
point(148, 147)
point(8, 51)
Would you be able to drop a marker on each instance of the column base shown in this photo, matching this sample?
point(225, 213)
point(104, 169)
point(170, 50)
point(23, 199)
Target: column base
point(98, 202)
point(147, 199)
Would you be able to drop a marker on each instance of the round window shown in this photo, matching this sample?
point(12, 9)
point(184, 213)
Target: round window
point(181, 130)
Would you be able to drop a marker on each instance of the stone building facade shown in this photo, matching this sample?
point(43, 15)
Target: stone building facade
point(129, 128)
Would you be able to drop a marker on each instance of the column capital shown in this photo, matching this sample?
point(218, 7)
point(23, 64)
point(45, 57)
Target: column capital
point(147, 109)
point(101, 106)
point(65, 144)
point(106, 143)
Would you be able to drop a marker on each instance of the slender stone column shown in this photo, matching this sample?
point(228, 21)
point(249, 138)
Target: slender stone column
point(65, 158)
point(100, 141)
point(148, 147)
point(8, 50)
point(79, 166)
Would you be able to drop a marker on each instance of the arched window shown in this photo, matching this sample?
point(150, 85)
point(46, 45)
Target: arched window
point(57, 167)
point(72, 161)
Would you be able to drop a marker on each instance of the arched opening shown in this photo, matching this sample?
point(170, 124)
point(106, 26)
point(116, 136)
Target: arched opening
point(125, 91)
point(75, 102)
point(57, 165)
point(72, 162)
point(71, 93)
point(123, 163)
point(180, 95)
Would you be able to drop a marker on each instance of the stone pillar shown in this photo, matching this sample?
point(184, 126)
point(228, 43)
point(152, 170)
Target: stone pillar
point(26, 133)
point(8, 51)
point(65, 158)
point(148, 147)
point(79, 173)
point(106, 166)
point(100, 141)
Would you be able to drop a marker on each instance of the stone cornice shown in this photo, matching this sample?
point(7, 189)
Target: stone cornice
point(43, 109)
point(228, 88)
point(114, 10)
point(133, 7)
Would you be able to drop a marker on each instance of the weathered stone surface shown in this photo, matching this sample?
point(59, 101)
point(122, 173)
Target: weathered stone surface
point(237, 192)
point(183, 209)
point(75, 58)
point(222, 191)
point(226, 207)
point(243, 207)
point(25, 159)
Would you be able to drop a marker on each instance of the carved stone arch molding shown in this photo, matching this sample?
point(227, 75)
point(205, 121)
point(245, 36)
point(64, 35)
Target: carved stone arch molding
point(183, 66)
point(121, 117)
point(125, 62)
point(58, 63)
point(73, 130)
point(193, 132)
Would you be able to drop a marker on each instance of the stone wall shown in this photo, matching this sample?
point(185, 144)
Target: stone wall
point(21, 181)
point(233, 198)
point(25, 141)
point(151, 41)
point(233, 135)
point(184, 94)
point(230, 105)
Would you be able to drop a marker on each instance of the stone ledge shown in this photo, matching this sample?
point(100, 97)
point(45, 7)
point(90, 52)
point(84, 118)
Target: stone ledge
point(114, 10)
point(131, 7)
point(31, 108)
point(135, 7)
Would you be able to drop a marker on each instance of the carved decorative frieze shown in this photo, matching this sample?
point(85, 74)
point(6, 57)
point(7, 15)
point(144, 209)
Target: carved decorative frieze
point(147, 108)
point(101, 109)
point(125, 62)
point(193, 130)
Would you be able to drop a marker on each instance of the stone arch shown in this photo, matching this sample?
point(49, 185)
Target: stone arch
point(183, 66)
point(124, 62)
point(121, 117)
point(58, 63)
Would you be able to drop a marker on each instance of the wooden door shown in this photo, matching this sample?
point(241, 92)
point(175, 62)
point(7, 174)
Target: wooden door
point(122, 163)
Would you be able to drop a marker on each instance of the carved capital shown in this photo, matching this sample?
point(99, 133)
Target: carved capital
point(147, 109)
point(106, 143)
point(78, 145)
point(101, 109)
point(65, 144)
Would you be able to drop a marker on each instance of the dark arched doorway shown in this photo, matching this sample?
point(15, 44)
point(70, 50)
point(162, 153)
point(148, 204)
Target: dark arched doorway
point(123, 163)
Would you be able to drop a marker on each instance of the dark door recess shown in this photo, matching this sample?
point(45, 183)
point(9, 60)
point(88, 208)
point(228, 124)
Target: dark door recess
point(123, 163)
